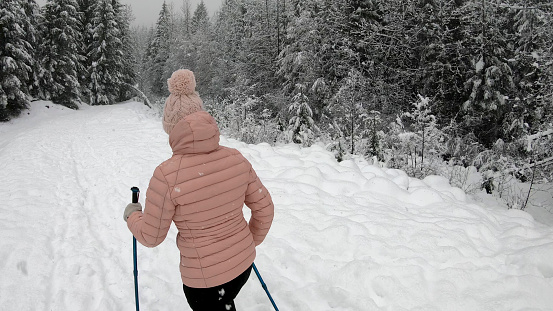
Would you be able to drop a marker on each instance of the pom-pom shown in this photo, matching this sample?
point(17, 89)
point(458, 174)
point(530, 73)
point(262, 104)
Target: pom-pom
point(182, 82)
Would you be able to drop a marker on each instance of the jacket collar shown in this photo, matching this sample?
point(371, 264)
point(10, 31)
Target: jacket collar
point(196, 133)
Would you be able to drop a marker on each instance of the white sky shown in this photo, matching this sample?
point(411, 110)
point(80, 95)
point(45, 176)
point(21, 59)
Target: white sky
point(146, 12)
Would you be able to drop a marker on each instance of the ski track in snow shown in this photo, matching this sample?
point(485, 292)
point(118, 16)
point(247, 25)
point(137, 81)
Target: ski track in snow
point(346, 236)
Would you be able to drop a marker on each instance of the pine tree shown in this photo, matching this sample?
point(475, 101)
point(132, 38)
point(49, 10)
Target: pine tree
point(302, 126)
point(531, 39)
point(61, 43)
point(32, 11)
point(175, 40)
point(106, 56)
point(200, 19)
point(442, 59)
point(186, 17)
point(424, 124)
point(128, 59)
point(229, 28)
point(306, 56)
point(180, 36)
point(489, 82)
point(348, 106)
point(202, 47)
point(158, 53)
point(360, 21)
point(256, 65)
point(16, 59)
point(86, 21)
point(374, 121)
point(141, 38)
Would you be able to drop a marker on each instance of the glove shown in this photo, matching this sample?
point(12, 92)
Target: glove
point(131, 208)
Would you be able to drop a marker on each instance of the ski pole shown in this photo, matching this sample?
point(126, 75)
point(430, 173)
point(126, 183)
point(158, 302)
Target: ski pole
point(264, 286)
point(135, 194)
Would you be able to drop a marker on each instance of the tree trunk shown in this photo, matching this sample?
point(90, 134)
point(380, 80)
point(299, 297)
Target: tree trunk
point(267, 10)
point(523, 207)
point(422, 151)
point(482, 46)
point(278, 27)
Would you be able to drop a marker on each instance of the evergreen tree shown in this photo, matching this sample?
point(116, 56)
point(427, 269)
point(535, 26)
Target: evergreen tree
point(424, 126)
point(86, 21)
point(360, 22)
point(61, 43)
point(396, 63)
point(348, 108)
point(202, 49)
point(128, 60)
point(256, 65)
point(106, 56)
point(186, 17)
point(441, 57)
point(180, 45)
point(302, 126)
point(158, 53)
point(531, 37)
point(228, 33)
point(489, 81)
point(373, 131)
point(141, 38)
point(176, 39)
point(16, 59)
point(32, 11)
point(200, 19)
point(306, 58)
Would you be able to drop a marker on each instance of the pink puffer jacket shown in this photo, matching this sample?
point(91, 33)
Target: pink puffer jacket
point(202, 188)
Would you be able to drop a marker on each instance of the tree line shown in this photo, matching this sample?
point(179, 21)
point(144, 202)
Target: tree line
point(394, 79)
point(403, 82)
point(68, 51)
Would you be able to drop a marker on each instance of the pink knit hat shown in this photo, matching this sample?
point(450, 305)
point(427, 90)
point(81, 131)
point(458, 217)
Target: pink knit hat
point(183, 101)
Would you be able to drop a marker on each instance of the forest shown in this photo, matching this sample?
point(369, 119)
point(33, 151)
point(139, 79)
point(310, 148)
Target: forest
point(448, 87)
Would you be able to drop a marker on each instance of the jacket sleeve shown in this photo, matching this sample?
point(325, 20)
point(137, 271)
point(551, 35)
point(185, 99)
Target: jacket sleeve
point(259, 201)
point(150, 228)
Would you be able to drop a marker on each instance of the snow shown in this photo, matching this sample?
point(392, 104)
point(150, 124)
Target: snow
point(480, 65)
point(346, 236)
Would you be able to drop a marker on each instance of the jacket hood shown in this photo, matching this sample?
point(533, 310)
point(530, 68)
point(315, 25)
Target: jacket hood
point(196, 133)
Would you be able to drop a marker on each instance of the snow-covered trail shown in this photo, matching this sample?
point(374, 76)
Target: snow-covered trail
point(346, 236)
point(66, 180)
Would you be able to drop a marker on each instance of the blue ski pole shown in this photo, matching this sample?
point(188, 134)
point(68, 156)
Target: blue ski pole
point(135, 194)
point(264, 286)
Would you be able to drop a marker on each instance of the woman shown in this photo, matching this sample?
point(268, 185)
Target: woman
point(202, 189)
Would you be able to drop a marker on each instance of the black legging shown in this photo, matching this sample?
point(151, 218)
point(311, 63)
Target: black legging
point(216, 298)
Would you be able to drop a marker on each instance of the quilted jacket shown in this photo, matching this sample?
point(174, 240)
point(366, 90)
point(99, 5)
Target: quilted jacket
point(202, 188)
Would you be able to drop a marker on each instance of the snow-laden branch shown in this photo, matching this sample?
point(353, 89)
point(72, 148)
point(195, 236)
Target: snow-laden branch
point(529, 166)
point(538, 135)
point(140, 93)
point(542, 162)
point(518, 7)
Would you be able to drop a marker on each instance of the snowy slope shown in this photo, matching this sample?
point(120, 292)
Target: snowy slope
point(346, 236)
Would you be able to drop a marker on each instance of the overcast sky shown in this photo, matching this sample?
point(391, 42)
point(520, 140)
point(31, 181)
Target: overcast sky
point(146, 12)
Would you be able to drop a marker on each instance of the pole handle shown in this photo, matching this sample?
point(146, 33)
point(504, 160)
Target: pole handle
point(135, 194)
